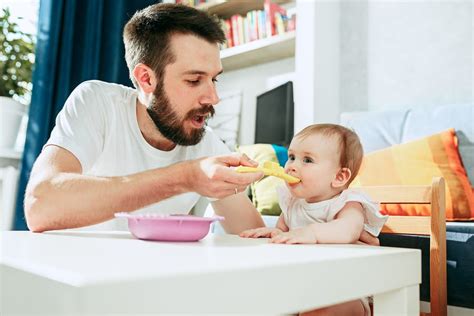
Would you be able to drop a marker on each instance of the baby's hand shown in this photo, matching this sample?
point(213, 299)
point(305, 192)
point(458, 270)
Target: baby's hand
point(304, 235)
point(262, 232)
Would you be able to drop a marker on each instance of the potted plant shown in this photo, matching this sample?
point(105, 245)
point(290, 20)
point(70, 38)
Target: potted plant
point(16, 67)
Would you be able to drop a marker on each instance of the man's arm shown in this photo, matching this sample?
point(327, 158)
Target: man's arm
point(281, 225)
point(58, 196)
point(239, 212)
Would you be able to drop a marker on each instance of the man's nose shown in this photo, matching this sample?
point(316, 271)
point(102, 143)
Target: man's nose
point(210, 95)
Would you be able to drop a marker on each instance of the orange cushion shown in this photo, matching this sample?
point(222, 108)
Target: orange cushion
point(416, 163)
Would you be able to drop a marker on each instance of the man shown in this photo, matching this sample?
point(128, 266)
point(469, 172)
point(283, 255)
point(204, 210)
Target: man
point(117, 149)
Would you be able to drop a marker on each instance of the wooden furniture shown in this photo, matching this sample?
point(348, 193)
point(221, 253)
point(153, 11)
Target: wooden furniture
point(72, 272)
point(433, 226)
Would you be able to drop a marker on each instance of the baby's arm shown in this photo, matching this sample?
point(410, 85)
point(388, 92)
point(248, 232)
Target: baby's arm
point(367, 239)
point(345, 229)
point(267, 232)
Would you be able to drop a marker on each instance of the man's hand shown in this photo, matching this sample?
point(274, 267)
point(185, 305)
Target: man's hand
point(262, 232)
point(213, 177)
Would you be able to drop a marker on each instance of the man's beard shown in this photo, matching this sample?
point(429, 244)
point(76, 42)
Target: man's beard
point(168, 122)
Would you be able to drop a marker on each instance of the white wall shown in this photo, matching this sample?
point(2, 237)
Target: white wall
point(252, 81)
point(406, 53)
point(317, 62)
point(354, 55)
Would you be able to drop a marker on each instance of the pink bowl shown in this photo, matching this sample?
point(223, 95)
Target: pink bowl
point(168, 227)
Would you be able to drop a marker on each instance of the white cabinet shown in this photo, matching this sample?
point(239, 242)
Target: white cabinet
point(9, 172)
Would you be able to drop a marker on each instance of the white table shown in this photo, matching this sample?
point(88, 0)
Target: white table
point(67, 272)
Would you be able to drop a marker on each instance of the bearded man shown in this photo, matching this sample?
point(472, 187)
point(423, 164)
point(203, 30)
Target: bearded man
point(118, 149)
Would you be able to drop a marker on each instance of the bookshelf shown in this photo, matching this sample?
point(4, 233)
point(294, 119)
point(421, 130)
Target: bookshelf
point(258, 65)
point(226, 8)
point(257, 52)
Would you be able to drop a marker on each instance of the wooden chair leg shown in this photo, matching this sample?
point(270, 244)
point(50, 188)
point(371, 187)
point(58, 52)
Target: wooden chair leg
point(438, 279)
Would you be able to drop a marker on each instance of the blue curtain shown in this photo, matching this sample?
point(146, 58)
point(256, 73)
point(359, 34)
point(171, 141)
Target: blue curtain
point(78, 40)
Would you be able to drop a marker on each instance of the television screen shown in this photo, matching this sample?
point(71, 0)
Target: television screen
point(274, 123)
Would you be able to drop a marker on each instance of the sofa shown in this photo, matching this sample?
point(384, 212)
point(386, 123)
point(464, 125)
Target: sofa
point(381, 129)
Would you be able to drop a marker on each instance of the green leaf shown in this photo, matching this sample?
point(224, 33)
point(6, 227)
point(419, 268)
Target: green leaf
point(16, 48)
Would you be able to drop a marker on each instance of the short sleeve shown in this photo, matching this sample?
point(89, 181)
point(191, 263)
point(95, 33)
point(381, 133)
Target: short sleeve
point(80, 125)
point(374, 220)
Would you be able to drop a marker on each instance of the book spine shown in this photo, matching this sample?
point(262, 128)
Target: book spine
point(240, 26)
point(235, 29)
point(228, 33)
point(271, 9)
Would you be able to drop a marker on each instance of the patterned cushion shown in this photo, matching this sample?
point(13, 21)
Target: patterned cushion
point(416, 163)
point(381, 129)
point(264, 195)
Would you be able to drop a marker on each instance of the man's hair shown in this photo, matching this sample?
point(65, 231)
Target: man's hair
point(350, 148)
point(147, 35)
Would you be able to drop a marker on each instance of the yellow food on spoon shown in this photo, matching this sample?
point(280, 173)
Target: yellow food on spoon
point(270, 168)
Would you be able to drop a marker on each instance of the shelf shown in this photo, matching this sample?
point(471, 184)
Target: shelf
point(10, 153)
point(226, 8)
point(259, 52)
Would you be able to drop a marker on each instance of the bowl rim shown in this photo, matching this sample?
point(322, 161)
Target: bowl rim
point(169, 217)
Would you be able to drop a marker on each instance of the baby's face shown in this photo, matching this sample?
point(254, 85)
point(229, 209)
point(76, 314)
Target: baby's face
point(315, 160)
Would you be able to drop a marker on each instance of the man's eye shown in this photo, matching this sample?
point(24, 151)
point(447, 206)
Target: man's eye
point(215, 80)
point(307, 160)
point(193, 82)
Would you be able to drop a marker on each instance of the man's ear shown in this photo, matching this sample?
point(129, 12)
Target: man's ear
point(342, 177)
point(145, 78)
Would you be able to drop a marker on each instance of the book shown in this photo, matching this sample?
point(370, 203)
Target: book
point(279, 23)
point(227, 26)
point(271, 9)
point(235, 29)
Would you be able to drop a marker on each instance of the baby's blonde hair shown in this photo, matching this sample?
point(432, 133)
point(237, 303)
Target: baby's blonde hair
point(350, 148)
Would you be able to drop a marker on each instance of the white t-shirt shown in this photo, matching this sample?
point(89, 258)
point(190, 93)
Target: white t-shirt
point(98, 124)
point(299, 213)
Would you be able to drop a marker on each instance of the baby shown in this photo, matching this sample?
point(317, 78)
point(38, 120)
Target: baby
point(321, 208)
